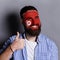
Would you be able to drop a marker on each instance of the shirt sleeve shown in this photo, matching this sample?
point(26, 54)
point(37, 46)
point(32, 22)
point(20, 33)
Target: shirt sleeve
point(7, 43)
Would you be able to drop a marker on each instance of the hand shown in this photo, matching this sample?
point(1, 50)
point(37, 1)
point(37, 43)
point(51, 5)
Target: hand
point(18, 43)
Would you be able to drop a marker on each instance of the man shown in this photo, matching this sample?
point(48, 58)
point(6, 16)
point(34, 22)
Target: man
point(32, 45)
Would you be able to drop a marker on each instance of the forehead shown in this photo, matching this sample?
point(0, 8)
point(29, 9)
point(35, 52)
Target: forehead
point(30, 12)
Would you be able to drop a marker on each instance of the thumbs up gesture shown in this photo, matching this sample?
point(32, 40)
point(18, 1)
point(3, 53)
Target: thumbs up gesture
point(18, 43)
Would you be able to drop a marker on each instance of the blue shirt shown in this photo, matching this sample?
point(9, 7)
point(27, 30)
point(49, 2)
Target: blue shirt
point(45, 49)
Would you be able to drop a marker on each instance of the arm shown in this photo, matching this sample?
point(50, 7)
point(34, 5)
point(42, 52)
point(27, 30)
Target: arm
point(6, 55)
point(17, 44)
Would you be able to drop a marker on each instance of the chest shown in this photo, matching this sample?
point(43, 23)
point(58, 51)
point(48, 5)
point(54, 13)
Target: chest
point(40, 53)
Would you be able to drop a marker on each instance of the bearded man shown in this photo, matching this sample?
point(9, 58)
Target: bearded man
point(31, 45)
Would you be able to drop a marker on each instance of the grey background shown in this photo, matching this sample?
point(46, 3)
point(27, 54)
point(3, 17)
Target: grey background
point(49, 12)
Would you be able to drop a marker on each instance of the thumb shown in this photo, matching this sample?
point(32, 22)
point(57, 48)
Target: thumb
point(17, 36)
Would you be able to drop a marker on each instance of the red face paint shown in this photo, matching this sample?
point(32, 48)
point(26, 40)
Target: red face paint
point(31, 19)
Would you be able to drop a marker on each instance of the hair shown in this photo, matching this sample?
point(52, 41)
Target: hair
point(26, 8)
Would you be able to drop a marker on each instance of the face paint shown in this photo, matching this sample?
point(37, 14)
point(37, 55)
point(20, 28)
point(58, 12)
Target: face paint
point(27, 23)
point(31, 19)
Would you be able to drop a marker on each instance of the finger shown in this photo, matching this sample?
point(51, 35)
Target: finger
point(17, 36)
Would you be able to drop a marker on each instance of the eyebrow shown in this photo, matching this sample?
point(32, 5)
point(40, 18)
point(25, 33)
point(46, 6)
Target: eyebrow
point(29, 18)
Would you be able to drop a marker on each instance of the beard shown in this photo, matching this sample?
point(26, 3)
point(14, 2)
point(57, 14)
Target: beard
point(33, 32)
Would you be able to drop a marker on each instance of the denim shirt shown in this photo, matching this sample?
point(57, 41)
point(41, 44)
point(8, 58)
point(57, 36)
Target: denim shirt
point(45, 49)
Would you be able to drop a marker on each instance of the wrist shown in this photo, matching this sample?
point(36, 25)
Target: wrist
point(11, 49)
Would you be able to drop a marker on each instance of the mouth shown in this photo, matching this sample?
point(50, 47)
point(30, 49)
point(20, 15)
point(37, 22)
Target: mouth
point(34, 27)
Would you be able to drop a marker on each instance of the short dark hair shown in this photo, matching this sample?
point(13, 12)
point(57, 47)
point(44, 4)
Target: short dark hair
point(26, 8)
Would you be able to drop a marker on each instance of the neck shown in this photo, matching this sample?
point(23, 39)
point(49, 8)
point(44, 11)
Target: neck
point(30, 38)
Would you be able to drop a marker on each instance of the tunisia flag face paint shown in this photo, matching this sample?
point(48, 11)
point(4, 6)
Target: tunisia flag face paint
point(31, 20)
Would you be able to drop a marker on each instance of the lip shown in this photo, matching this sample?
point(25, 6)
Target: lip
point(35, 27)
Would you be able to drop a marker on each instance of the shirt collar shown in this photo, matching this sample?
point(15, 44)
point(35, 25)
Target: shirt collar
point(38, 38)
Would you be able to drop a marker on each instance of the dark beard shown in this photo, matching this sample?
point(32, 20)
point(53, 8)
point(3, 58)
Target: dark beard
point(33, 32)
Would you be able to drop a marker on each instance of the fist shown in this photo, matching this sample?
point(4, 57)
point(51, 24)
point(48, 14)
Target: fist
point(18, 43)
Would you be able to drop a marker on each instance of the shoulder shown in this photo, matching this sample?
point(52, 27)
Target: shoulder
point(46, 40)
point(12, 38)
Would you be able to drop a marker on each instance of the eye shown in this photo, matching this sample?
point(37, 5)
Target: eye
point(28, 22)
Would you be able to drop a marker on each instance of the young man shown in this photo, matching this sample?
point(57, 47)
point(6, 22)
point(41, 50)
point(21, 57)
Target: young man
point(32, 45)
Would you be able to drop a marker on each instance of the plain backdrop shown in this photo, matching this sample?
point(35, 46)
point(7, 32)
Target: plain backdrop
point(49, 12)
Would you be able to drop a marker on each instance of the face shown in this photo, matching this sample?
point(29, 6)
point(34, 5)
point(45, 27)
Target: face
point(32, 22)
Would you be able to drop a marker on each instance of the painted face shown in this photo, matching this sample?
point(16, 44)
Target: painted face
point(31, 20)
